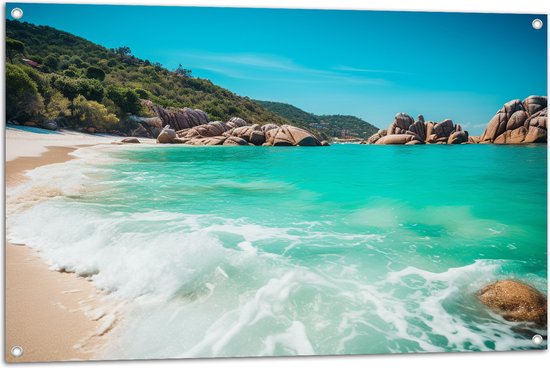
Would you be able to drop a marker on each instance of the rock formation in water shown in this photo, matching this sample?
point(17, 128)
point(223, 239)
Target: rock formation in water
point(518, 122)
point(515, 301)
point(405, 130)
point(188, 126)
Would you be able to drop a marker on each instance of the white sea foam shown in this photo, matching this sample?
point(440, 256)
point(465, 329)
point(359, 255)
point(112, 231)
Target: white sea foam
point(196, 285)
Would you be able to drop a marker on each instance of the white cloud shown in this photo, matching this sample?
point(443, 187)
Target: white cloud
point(254, 67)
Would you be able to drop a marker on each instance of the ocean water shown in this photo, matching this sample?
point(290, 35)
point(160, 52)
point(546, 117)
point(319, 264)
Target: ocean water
point(260, 251)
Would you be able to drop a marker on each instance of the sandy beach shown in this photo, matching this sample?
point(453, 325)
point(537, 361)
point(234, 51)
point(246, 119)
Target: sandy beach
point(53, 316)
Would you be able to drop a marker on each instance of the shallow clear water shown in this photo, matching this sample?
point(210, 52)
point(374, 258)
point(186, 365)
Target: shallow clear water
point(348, 249)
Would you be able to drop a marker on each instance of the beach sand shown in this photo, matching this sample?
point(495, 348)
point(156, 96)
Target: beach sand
point(53, 316)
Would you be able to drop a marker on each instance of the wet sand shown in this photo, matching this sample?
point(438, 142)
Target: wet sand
point(52, 315)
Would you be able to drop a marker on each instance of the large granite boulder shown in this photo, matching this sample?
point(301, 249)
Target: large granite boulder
point(235, 141)
point(167, 135)
point(375, 137)
point(519, 122)
point(515, 301)
point(397, 139)
point(236, 122)
point(288, 135)
point(458, 137)
point(251, 133)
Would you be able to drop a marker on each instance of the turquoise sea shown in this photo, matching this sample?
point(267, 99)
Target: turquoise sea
point(247, 251)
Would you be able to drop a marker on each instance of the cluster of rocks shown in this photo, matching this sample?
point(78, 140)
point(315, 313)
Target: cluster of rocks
point(518, 122)
point(405, 130)
point(237, 132)
point(189, 126)
point(515, 301)
point(177, 118)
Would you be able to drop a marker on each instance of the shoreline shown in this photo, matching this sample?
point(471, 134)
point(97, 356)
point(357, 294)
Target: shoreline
point(53, 316)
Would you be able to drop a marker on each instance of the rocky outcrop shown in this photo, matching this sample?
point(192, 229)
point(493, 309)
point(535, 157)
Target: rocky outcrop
point(237, 132)
point(288, 135)
point(189, 126)
point(515, 301)
point(149, 127)
point(178, 118)
point(405, 130)
point(519, 122)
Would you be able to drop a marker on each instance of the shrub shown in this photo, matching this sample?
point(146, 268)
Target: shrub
point(95, 73)
point(58, 106)
point(92, 114)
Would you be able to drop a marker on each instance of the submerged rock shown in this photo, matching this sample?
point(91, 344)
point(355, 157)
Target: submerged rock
point(515, 301)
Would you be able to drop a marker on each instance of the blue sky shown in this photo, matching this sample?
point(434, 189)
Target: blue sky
point(370, 64)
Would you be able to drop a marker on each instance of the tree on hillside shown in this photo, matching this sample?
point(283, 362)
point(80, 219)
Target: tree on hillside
point(125, 98)
point(14, 47)
point(122, 52)
point(51, 62)
point(67, 86)
point(22, 98)
point(180, 70)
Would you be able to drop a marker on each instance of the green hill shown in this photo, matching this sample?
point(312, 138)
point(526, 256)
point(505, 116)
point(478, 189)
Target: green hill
point(53, 74)
point(338, 126)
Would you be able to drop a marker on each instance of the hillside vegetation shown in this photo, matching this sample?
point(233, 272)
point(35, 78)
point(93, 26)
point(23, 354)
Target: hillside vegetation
point(339, 126)
point(51, 74)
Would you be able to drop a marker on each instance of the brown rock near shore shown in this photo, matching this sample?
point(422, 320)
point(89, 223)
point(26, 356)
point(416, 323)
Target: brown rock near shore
point(130, 140)
point(515, 301)
point(167, 135)
point(199, 131)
